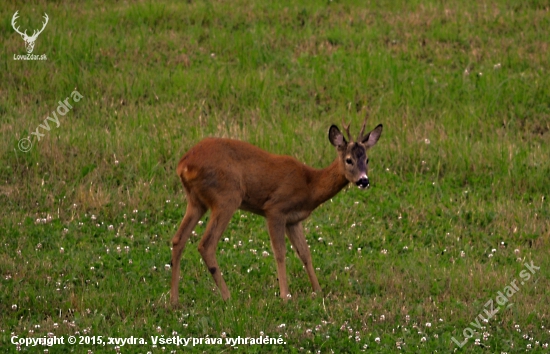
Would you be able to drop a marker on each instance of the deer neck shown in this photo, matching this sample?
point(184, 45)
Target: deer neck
point(328, 182)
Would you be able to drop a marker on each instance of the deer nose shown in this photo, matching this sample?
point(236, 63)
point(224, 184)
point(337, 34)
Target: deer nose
point(363, 182)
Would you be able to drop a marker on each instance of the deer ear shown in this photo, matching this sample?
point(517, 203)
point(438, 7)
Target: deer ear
point(335, 137)
point(372, 138)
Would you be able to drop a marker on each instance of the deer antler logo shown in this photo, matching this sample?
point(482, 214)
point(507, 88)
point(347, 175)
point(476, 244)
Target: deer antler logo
point(29, 41)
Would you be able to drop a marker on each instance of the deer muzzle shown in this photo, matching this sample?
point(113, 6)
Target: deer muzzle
point(363, 182)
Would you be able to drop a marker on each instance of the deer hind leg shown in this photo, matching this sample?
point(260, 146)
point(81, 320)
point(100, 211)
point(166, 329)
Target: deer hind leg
point(277, 235)
point(219, 219)
point(296, 236)
point(192, 216)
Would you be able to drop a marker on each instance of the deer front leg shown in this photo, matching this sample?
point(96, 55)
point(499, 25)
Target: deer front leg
point(276, 226)
point(296, 236)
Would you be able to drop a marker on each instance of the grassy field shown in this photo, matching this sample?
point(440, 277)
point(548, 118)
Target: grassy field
point(455, 223)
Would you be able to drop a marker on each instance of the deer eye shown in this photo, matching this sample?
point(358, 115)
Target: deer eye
point(349, 162)
point(367, 161)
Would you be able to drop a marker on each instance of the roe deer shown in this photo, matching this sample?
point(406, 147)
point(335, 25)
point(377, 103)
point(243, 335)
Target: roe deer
point(225, 175)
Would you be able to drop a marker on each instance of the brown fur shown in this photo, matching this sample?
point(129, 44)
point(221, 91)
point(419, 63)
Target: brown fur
point(224, 175)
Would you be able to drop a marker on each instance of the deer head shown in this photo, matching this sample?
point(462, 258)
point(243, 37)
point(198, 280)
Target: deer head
point(353, 154)
point(29, 41)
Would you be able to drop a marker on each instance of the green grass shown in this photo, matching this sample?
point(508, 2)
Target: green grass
point(460, 177)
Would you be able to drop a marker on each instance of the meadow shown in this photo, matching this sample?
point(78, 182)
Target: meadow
point(448, 250)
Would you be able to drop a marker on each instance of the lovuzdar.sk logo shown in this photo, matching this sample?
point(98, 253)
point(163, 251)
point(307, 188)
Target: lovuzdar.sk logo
point(29, 40)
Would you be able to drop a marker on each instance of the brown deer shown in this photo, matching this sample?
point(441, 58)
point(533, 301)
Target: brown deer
point(224, 175)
